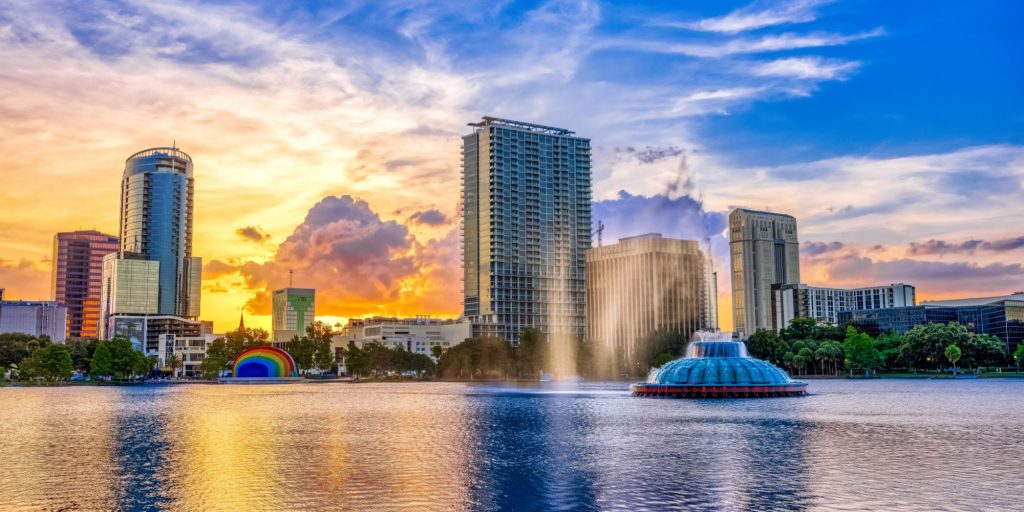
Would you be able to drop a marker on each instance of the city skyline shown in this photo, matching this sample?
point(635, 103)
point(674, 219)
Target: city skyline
point(797, 107)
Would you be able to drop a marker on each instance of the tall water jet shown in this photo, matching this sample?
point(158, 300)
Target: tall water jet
point(717, 367)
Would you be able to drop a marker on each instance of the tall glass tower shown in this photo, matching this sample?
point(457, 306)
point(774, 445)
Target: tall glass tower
point(156, 225)
point(525, 228)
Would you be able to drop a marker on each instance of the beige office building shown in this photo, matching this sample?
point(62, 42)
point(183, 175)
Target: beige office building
point(764, 251)
point(646, 283)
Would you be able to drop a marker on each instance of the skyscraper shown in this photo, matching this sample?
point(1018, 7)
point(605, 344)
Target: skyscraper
point(76, 278)
point(153, 280)
point(293, 311)
point(764, 251)
point(156, 222)
point(646, 283)
point(525, 228)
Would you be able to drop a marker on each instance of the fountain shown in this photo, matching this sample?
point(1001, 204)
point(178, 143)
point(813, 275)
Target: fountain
point(717, 367)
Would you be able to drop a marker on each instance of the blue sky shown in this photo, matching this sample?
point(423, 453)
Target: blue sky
point(891, 130)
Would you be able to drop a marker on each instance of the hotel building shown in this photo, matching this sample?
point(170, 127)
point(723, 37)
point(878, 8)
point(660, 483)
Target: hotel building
point(764, 251)
point(525, 228)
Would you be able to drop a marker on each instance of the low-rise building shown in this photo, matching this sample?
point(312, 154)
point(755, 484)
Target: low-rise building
point(418, 335)
point(790, 301)
point(1002, 317)
point(191, 350)
point(35, 318)
point(144, 330)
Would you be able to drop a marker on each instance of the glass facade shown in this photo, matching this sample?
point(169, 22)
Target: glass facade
point(77, 277)
point(526, 228)
point(36, 318)
point(156, 223)
point(1002, 317)
point(130, 287)
point(294, 309)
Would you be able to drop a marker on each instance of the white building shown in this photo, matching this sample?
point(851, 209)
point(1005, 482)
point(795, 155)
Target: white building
point(417, 335)
point(191, 349)
point(825, 304)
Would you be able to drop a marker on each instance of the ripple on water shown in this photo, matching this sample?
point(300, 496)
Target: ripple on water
point(850, 445)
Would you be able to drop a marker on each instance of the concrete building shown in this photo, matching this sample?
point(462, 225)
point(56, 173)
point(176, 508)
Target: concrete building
point(419, 334)
point(144, 331)
point(76, 278)
point(764, 251)
point(35, 318)
point(294, 309)
point(1002, 317)
point(824, 304)
point(646, 283)
point(525, 228)
point(191, 350)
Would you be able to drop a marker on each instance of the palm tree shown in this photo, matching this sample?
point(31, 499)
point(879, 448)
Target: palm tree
point(174, 362)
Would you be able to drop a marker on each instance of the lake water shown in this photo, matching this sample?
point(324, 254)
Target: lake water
point(852, 445)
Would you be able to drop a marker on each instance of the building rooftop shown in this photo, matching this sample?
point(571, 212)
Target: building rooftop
point(519, 125)
point(979, 301)
point(762, 212)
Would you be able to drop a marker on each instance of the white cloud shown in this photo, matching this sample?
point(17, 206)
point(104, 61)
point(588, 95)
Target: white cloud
point(806, 67)
point(759, 15)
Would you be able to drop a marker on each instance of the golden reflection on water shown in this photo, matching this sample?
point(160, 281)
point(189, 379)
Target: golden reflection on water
point(57, 449)
point(316, 446)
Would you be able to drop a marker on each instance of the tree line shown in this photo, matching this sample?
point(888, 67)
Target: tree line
point(808, 347)
point(310, 351)
point(39, 359)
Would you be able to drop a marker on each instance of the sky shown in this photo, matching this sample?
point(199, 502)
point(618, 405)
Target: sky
point(326, 136)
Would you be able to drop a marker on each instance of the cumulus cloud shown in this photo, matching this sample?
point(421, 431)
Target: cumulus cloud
point(649, 155)
point(216, 268)
point(431, 217)
point(358, 263)
point(253, 234)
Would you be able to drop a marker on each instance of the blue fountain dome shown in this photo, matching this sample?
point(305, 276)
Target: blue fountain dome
point(718, 368)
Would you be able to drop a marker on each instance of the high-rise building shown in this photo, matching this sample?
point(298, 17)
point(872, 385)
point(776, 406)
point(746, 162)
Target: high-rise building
point(646, 283)
point(525, 228)
point(293, 311)
point(76, 278)
point(36, 318)
point(790, 301)
point(156, 222)
point(764, 251)
point(152, 285)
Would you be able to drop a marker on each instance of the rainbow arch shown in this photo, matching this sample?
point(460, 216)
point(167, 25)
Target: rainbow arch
point(267, 362)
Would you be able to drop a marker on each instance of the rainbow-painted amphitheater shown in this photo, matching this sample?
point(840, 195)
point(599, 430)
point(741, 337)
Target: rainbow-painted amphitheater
point(263, 364)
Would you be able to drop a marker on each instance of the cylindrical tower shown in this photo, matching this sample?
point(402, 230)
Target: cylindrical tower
point(156, 224)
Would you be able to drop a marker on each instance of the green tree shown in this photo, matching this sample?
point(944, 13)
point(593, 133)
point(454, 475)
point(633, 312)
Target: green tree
point(301, 349)
point(102, 363)
point(663, 358)
point(1018, 355)
point(859, 351)
point(174, 362)
point(436, 351)
point(983, 350)
point(532, 352)
point(357, 361)
point(323, 354)
point(768, 345)
point(212, 365)
point(50, 363)
point(952, 353)
point(16, 347)
point(800, 328)
point(888, 345)
point(81, 352)
point(924, 346)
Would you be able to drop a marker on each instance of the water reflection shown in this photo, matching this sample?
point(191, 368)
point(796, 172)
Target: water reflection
point(911, 446)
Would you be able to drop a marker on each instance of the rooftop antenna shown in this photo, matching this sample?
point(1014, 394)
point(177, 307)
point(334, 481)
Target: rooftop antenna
point(290, 272)
point(174, 144)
